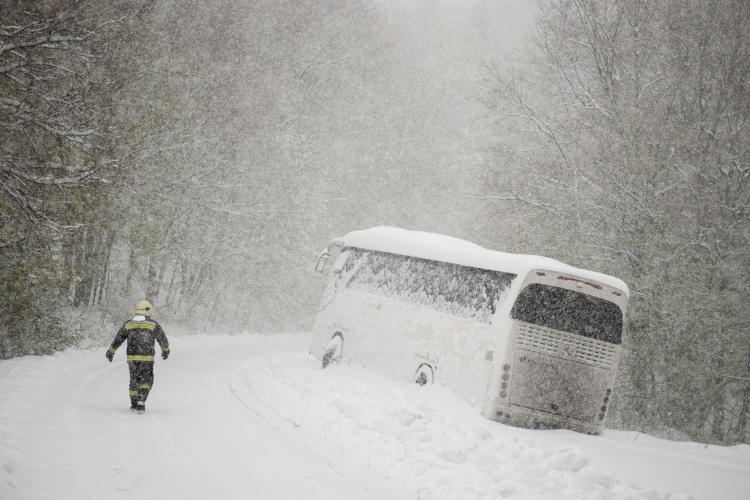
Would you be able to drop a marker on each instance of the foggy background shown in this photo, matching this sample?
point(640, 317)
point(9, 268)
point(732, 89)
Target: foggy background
point(202, 154)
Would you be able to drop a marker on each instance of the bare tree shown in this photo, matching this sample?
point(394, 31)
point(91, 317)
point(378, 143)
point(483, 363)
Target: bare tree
point(633, 161)
point(52, 126)
point(57, 165)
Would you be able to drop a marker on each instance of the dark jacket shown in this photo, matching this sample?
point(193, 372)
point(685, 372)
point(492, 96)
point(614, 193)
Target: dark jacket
point(141, 336)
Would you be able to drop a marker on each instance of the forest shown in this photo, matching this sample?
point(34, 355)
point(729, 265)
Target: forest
point(202, 154)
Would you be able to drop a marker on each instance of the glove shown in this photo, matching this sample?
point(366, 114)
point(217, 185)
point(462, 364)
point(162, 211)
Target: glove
point(110, 355)
point(164, 354)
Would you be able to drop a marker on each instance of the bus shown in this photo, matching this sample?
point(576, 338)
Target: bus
point(530, 341)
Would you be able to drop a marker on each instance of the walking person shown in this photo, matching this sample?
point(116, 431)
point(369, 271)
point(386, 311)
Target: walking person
point(141, 332)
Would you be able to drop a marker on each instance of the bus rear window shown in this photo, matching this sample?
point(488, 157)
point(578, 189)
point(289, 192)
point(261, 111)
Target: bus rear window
point(569, 311)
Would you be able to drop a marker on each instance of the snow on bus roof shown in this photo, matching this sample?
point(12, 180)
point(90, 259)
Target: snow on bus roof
point(439, 247)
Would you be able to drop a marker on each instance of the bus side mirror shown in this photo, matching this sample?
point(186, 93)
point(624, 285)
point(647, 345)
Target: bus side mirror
point(322, 261)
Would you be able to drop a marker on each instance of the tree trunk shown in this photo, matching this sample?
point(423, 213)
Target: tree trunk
point(152, 287)
point(743, 431)
point(131, 269)
point(158, 280)
point(84, 279)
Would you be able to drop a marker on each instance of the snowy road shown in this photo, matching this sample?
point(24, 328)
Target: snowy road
point(254, 417)
point(66, 431)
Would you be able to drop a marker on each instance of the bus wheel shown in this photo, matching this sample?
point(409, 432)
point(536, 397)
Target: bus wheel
point(333, 351)
point(424, 375)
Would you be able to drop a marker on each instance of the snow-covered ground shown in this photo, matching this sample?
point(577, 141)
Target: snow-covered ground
point(252, 416)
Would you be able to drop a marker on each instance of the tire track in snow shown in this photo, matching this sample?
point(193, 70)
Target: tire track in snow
point(341, 465)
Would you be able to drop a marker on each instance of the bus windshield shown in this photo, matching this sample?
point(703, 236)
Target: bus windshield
point(569, 311)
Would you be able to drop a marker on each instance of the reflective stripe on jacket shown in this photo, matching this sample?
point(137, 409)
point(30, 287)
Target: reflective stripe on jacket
point(142, 334)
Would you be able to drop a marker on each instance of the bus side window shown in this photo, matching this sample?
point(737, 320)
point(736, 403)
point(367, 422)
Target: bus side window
point(351, 266)
point(449, 288)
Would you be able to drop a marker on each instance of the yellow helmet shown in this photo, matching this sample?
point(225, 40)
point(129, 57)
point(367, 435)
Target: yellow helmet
point(144, 307)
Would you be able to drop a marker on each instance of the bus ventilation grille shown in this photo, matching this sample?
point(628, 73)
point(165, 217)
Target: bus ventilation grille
point(566, 345)
point(489, 355)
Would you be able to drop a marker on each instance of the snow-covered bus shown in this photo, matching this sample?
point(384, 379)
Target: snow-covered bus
point(530, 340)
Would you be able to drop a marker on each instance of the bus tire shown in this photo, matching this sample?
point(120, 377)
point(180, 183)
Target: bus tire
point(425, 375)
point(334, 350)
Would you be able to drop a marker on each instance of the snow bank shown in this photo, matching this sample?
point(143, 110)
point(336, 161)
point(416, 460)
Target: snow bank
point(426, 438)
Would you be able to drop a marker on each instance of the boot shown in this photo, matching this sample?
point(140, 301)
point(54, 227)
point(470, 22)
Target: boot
point(141, 400)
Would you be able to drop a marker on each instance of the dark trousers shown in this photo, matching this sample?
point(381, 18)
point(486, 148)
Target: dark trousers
point(141, 380)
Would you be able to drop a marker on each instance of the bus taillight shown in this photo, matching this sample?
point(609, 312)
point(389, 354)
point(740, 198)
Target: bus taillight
point(505, 376)
point(604, 408)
